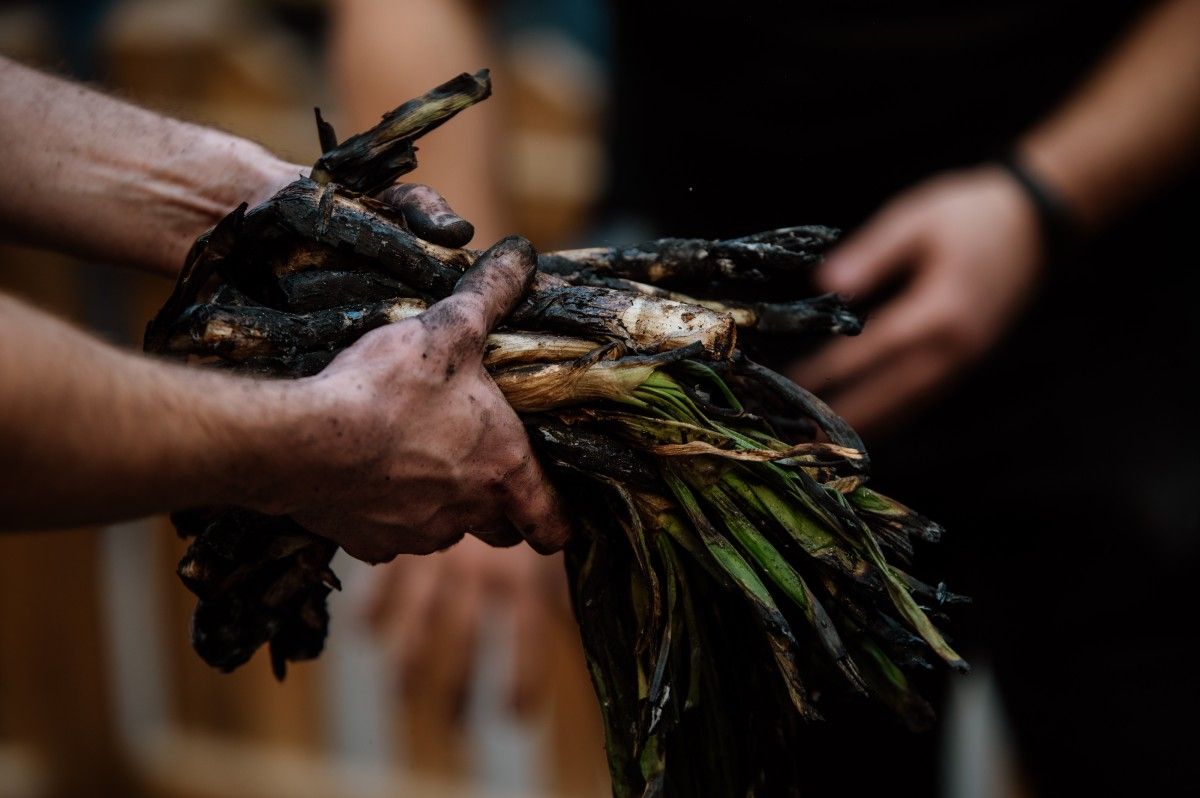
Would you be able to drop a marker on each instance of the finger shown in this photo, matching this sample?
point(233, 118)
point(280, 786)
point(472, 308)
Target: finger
point(428, 214)
point(413, 619)
point(379, 593)
point(460, 614)
point(901, 324)
point(529, 651)
point(484, 294)
point(558, 591)
point(867, 260)
point(533, 507)
point(893, 394)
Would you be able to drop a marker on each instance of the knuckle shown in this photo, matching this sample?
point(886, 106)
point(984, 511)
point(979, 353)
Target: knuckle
point(515, 467)
point(404, 192)
point(394, 195)
point(472, 338)
point(495, 478)
point(458, 315)
point(471, 304)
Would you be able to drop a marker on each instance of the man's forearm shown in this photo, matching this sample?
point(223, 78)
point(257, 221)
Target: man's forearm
point(107, 180)
point(1133, 125)
point(91, 433)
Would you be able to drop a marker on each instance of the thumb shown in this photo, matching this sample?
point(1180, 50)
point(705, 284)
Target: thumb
point(484, 294)
point(876, 253)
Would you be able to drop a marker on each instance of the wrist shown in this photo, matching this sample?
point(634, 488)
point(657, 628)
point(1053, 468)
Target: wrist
point(1066, 171)
point(262, 174)
point(1059, 226)
point(262, 436)
point(234, 170)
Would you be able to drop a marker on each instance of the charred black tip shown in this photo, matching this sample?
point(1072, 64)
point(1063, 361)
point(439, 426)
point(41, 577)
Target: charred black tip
point(325, 132)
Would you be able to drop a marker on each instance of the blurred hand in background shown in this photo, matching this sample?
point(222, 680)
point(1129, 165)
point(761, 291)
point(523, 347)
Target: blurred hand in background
point(429, 612)
point(961, 254)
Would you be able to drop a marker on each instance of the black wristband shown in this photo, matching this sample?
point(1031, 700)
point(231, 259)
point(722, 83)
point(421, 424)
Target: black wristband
point(1060, 229)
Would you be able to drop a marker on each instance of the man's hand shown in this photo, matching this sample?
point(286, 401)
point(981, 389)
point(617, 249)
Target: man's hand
point(401, 444)
point(410, 444)
point(965, 252)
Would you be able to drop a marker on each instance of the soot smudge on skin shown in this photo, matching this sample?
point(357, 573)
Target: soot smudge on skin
point(505, 278)
point(504, 271)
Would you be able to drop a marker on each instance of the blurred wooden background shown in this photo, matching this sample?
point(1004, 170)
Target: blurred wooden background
point(100, 693)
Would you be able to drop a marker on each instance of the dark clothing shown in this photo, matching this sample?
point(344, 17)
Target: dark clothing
point(1066, 466)
point(753, 114)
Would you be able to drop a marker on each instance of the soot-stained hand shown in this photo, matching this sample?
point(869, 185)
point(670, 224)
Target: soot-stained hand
point(410, 445)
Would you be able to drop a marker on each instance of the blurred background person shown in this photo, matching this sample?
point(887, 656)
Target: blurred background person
point(1015, 179)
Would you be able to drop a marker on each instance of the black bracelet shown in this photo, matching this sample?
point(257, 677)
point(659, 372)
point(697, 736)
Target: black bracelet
point(1061, 232)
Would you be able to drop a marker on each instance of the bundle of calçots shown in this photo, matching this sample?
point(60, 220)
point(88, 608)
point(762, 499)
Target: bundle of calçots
point(730, 568)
